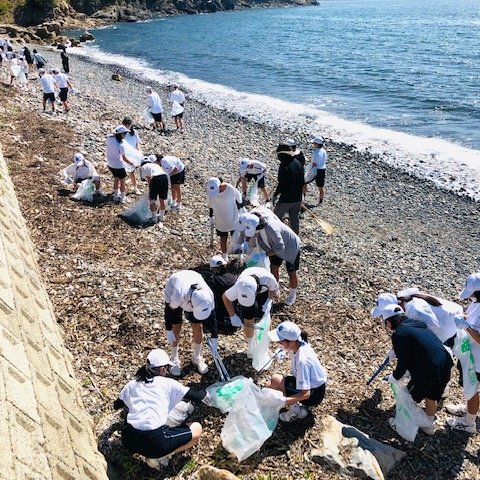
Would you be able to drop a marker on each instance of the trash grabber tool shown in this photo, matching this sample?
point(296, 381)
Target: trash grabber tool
point(278, 354)
point(222, 371)
point(211, 236)
point(378, 370)
point(324, 225)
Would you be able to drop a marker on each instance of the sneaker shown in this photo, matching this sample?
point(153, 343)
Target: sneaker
point(462, 425)
point(156, 463)
point(428, 430)
point(457, 410)
point(201, 365)
point(295, 412)
point(176, 368)
point(137, 192)
point(123, 199)
point(290, 300)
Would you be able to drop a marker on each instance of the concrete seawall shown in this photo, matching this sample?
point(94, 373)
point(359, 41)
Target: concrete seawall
point(45, 430)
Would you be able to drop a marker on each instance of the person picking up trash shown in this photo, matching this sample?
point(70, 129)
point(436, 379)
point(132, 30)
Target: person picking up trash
point(149, 398)
point(157, 180)
point(82, 169)
point(155, 107)
point(254, 290)
point(186, 291)
point(175, 169)
point(224, 202)
point(133, 139)
point(252, 170)
point(306, 386)
point(319, 163)
point(419, 351)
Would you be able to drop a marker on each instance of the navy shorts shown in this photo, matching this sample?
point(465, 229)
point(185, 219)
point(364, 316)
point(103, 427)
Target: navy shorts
point(316, 394)
point(255, 310)
point(119, 173)
point(157, 117)
point(174, 316)
point(63, 94)
point(180, 115)
point(252, 176)
point(158, 188)
point(223, 234)
point(49, 96)
point(320, 178)
point(155, 443)
point(178, 178)
point(291, 267)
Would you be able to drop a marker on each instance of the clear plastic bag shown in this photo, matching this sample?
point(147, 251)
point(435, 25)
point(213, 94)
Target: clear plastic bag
point(258, 259)
point(134, 155)
point(179, 414)
point(85, 191)
point(310, 173)
point(67, 175)
point(148, 117)
point(463, 351)
point(139, 213)
point(224, 395)
point(252, 194)
point(177, 109)
point(252, 420)
point(261, 359)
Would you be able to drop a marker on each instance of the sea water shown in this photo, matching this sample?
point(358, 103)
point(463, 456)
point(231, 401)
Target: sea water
point(397, 78)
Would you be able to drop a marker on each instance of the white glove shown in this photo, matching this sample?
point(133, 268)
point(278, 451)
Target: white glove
point(460, 322)
point(390, 355)
point(207, 400)
point(171, 337)
point(211, 221)
point(236, 321)
point(391, 379)
point(267, 305)
point(280, 354)
point(214, 344)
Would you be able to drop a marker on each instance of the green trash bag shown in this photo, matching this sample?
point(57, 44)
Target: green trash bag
point(224, 395)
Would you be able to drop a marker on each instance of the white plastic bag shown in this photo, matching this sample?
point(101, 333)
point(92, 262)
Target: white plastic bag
point(134, 155)
point(463, 351)
point(258, 259)
point(223, 395)
point(177, 109)
point(252, 420)
point(85, 191)
point(179, 414)
point(139, 213)
point(310, 173)
point(148, 116)
point(261, 358)
point(234, 245)
point(67, 175)
point(252, 194)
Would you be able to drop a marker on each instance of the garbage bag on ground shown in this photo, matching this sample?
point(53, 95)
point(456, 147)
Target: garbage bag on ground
point(179, 414)
point(148, 116)
point(177, 109)
point(462, 350)
point(261, 358)
point(67, 175)
point(310, 172)
point(85, 191)
point(252, 420)
point(252, 194)
point(139, 213)
point(224, 395)
point(258, 259)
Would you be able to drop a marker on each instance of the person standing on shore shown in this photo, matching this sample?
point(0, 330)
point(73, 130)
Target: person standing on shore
point(177, 96)
point(319, 161)
point(65, 60)
point(157, 180)
point(63, 83)
point(296, 152)
point(48, 87)
point(133, 139)
point(289, 188)
point(224, 201)
point(252, 170)
point(175, 169)
point(38, 60)
point(28, 57)
point(156, 109)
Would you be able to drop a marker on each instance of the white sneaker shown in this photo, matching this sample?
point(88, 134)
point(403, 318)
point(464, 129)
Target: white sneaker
point(295, 412)
point(176, 368)
point(457, 410)
point(446, 393)
point(290, 300)
point(124, 199)
point(462, 425)
point(201, 365)
point(156, 463)
point(115, 197)
point(101, 193)
point(428, 430)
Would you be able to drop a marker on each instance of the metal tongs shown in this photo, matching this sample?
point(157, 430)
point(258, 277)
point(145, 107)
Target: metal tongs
point(222, 370)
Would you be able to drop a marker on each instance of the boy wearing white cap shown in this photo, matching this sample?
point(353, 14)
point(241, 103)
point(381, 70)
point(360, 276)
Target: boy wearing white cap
point(48, 87)
point(149, 398)
point(224, 201)
point(419, 351)
point(306, 385)
point(319, 161)
point(157, 180)
point(175, 169)
point(467, 415)
point(186, 291)
point(252, 170)
point(253, 290)
point(85, 170)
point(155, 108)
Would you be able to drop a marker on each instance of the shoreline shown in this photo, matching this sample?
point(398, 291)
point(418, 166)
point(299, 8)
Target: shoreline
point(105, 279)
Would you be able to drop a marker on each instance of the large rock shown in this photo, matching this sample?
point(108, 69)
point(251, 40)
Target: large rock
point(85, 36)
point(207, 472)
point(353, 453)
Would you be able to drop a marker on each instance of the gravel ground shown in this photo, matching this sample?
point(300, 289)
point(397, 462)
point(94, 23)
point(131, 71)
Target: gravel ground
point(106, 278)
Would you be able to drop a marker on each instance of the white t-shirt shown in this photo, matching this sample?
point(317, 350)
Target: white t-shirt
point(48, 83)
point(132, 140)
point(154, 103)
point(170, 163)
point(62, 80)
point(267, 282)
point(307, 369)
point(319, 157)
point(176, 96)
point(225, 208)
point(152, 170)
point(149, 403)
point(473, 318)
point(178, 289)
point(115, 151)
point(85, 170)
point(257, 168)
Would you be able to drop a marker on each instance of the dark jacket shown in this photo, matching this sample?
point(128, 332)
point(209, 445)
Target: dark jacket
point(219, 283)
point(290, 179)
point(419, 351)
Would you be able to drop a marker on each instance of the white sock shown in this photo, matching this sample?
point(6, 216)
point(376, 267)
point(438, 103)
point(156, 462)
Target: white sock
point(293, 291)
point(431, 418)
point(250, 342)
point(471, 417)
point(161, 214)
point(174, 354)
point(197, 350)
point(117, 193)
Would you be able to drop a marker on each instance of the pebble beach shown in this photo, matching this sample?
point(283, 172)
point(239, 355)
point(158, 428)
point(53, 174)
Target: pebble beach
point(105, 278)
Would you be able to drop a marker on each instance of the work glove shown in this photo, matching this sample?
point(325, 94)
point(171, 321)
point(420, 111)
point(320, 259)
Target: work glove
point(214, 345)
point(390, 355)
point(171, 337)
point(207, 400)
point(391, 379)
point(280, 354)
point(236, 321)
point(267, 305)
point(460, 322)
point(211, 221)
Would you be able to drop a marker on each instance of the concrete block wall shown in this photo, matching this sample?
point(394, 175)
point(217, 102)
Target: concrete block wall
point(45, 432)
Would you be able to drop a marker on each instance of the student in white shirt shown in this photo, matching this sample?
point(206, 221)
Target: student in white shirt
point(149, 398)
point(176, 96)
point(252, 170)
point(175, 169)
point(156, 109)
point(63, 83)
point(319, 161)
point(306, 386)
point(133, 139)
point(157, 180)
point(253, 291)
point(48, 86)
point(84, 170)
point(224, 201)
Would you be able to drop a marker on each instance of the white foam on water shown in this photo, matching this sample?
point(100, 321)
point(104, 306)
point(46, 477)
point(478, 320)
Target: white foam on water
point(446, 164)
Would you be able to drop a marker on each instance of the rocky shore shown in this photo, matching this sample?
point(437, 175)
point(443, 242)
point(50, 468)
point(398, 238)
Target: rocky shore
point(106, 279)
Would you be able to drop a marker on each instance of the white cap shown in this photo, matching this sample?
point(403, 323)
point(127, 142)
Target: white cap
point(391, 310)
point(78, 157)
point(285, 331)
point(148, 90)
point(408, 292)
point(217, 261)
point(244, 163)
point(247, 291)
point(383, 300)
point(202, 304)
point(152, 158)
point(291, 142)
point(251, 224)
point(41, 70)
point(213, 186)
point(318, 140)
point(158, 358)
point(120, 129)
point(472, 284)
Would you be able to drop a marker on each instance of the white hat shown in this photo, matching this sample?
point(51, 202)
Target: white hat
point(285, 331)
point(148, 90)
point(391, 310)
point(472, 284)
point(217, 261)
point(291, 142)
point(78, 157)
point(213, 186)
point(41, 70)
point(152, 158)
point(241, 222)
point(251, 224)
point(383, 300)
point(120, 129)
point(318, 140)
point(408, 292)
point(244, 162)
point(158, 358)
point(202, 304)
point(247, 290)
